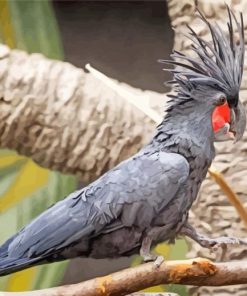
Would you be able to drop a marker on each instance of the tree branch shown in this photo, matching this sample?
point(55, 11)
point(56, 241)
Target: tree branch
point(199, 272)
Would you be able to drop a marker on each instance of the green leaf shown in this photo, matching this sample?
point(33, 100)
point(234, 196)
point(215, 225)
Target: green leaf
point(35, 27)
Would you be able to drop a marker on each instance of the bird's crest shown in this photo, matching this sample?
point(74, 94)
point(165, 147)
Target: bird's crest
point(218, 65)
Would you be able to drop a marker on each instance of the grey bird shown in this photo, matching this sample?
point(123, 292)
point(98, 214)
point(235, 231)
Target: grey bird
point(146, 198)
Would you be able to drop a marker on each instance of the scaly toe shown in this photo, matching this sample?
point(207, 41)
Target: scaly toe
point(158, 261)
point(223, 242)
point(149, 257)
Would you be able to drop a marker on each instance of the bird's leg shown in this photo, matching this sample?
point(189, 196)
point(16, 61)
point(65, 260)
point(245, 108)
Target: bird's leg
point(210, 243)
point(146, 246)
point(145, 250)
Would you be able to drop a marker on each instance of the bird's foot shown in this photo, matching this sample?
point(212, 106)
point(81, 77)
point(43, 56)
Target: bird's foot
point(220, 242)
point(149, 257)
point(211, 243)
point(156, 259)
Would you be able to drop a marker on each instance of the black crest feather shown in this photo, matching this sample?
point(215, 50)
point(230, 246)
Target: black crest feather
point(218, 64)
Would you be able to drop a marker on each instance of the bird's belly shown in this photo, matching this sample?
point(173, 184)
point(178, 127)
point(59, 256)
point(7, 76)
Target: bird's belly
point(121, 242)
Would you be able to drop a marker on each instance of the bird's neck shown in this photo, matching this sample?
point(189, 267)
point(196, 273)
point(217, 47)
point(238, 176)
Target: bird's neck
point(184, 132)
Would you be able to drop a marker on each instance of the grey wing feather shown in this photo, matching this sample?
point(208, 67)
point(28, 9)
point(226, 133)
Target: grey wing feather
point(137, 187)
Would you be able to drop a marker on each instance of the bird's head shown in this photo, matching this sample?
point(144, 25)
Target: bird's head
point(212, 79)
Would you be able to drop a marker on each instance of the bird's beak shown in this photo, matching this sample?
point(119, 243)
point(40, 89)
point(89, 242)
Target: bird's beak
point(238, 123)
point(232, 122)
point(232, 128)
point(232, 135)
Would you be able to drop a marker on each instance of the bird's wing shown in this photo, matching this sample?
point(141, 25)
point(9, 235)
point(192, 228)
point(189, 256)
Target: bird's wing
point(143, 182)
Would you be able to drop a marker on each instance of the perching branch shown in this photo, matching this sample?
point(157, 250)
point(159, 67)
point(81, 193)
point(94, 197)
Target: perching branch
point(198, 272)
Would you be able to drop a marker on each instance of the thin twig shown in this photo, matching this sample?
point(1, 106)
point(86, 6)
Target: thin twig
point(233, 198)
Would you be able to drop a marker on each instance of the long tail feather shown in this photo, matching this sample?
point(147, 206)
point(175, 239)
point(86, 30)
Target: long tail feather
point(10, 265)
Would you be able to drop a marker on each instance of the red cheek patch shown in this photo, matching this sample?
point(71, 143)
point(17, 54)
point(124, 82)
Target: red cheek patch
point(221, 116)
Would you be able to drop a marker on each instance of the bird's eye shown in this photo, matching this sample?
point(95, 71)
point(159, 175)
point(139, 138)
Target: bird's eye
point(222, 100)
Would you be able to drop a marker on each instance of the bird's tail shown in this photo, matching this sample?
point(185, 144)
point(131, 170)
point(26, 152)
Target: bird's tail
point(9, 264)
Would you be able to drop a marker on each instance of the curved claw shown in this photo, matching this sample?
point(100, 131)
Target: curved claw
point(157, 259)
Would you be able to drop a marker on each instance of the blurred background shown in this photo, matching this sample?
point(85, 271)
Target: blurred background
point(122, 39)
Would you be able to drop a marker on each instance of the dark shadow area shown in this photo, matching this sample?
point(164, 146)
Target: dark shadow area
point(122, 39)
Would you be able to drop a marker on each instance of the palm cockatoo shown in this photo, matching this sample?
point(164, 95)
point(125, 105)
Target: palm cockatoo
point(146, 198)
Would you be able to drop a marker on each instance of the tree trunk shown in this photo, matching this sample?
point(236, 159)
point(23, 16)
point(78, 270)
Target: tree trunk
point(212, 214)
point(63, 118)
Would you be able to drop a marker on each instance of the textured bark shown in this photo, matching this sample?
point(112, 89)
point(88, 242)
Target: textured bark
point(63, 118)
point(213, 214)
point(199, 272)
